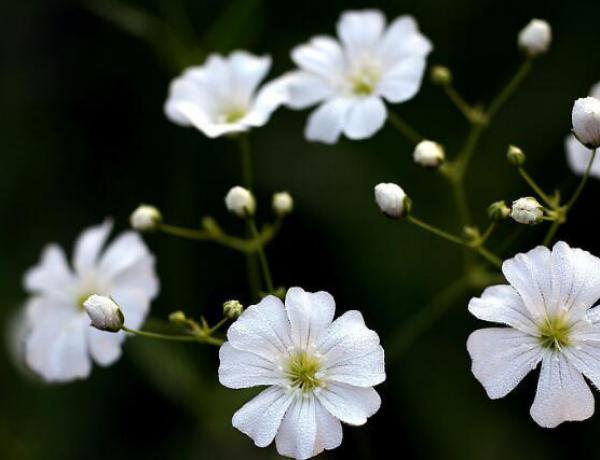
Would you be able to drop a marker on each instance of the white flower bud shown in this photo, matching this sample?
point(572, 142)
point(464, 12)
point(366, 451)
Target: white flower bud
point(429, 154)
point(145, 218)
point(535, 37)
point(240, 201)
point(232, 309)
point(283, 203)
point(104, 313)
point(586, 121)
point(527, 211)
point(391, 199)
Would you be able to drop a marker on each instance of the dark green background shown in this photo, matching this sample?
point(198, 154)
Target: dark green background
point(83, 136)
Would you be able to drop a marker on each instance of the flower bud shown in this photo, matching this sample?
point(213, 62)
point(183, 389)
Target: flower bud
point(145, 218)
point(527, 211)
point(498, 211)
point(586, 121)
point(515, 156)
point(240, 201)
point(535, 37)
point(105, 314)
point(429, 154)
point(441, 75)
point(392, 200)
point(178, 318)
point(232, 309)
point(471, 233)
point(211, 226)
point(283, 203)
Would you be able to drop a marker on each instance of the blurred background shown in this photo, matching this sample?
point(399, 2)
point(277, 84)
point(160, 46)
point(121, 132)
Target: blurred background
point(83, 136)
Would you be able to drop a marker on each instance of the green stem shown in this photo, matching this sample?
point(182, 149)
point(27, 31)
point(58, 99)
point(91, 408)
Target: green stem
point(581, 186)
point(464, 157)
point(176, 338)
point(436, 231)
point(217, 326)
point(509, 89)
point(404, 128)
point(262, 257)
point(536, 188)
point(462, 105)
point(551, 232)
point(200, 235)
point(489, 256)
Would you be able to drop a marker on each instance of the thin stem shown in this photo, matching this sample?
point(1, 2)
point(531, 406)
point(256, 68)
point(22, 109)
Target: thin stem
point(436, 231)
point(536, 188)
point(462, 105)
point(404, 128)
point(460, 198)
point(177, 338)
point(464, 158)
point(262, 257)
point(509, 89)
point(200, 235)
point(489, 256)
point(581, 186)
point(217, 326)
point(551, 232)
point(488, 232)
point(246, 159)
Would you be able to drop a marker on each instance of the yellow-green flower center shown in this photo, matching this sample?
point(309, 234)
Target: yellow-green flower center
point(233, 115)
point(554, 333)
point(302, 370)
point(364, 81)
point(81, 300)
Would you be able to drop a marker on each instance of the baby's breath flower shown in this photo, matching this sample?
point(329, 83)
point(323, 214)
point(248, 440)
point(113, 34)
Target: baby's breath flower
point(240, 201)
point(515, 156)
point(535, 37)
point(527, 211)
point(232, 309)
point(105, 314)
point(391, 199)
point(429, 154)
point(586, 121)
point(283, 203)
point(145, 218)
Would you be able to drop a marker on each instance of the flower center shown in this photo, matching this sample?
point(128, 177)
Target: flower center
point(81, 300)
point(232, 115)
point(364, 79)
point(302, 370)
point(554, 333)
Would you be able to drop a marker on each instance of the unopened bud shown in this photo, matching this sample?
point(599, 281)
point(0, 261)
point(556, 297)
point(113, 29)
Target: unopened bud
point(498, 211)
point(515, 156)
point(105, 314)
point(527, 211)
point(535, 37)
point(145, 218)
point(178, 317)
point(441, 75)
point(283, 203)
point(232, 309)
point(429, 154)
point(392, 200)
point(240, 201)
point(586, 121)
point(471, 233)
point(210, 226)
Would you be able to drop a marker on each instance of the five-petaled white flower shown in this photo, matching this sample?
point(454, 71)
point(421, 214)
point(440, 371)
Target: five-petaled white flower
point(221, 96)
point(351, 78)
point(578, 155)
point(61, 344)
point(548, 310)
point(318, 372)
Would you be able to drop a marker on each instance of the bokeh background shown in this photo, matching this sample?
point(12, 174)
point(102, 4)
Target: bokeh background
point(83, 136)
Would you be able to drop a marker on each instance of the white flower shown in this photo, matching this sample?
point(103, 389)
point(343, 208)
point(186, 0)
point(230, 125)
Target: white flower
point(240, 201)
point(527, 210)
point(318, 372)
point(221, 96)
point(283, 203)
point(105, 314)
point(391, 200)
point(350, 77)
point(535, 37)
point(61, 344)
point(586, 121)
point(145, 218)
point(548, 310)
point(578, 155)
point(429, 154)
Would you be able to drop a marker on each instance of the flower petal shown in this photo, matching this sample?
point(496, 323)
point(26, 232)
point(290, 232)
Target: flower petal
point(365, 117)
point(241, 369)
point(135, 304)
point(260, 417)
point(306, 89)
point(402, 40)
point(297, 434)
point(352, 352)
point(401, 82)
point(262, 329)
point(502, 357)
point(585, 357)
point(350, 404)
point(578, 157)
point(360, 31)
point(268, 99)
point(502, 304)
point(322, 56)
point(562, 394)
point(88, 247)
point(105, 347)
point(247, 71)
point(310, 314)
point(51, 276)
point(329, 430)
point(326, 122)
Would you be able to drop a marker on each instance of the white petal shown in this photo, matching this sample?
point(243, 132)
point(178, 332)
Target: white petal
point(139, 276)
point(310, 314)
point(360, 31)
point(585, 356)
point(350, 404)
point(268, 99)
point(247, 72)
point(56, 347)
point(502, 357)
point(401, 82)
point(530, 274)
point(365, 117)
point(402, 40)
point(88, 247)
point(562, 393)
point(260, 417)
point(351, 352)
point(329, 429)
point(241, 369)
point(321, 56)
point(578, 157)
point(326, 122)
point(105, 347)
point(297, 434)
point(502, 304)
point(262, 329)
point(52, 275)
point(134, 303)
point(306, 89)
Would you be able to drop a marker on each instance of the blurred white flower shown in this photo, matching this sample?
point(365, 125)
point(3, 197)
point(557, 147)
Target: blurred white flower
point(586, 121)
point(145, 218)
point(578, 155)
point(548, 310)
point(318, 372)
point(105, 314)
point(350, 77)
point(429, 154)
point(61, 345)
point(535, 37)
point(283, 203)
point(527, 210)
point(240, 201)
point(222, 95)
point(391, 200)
